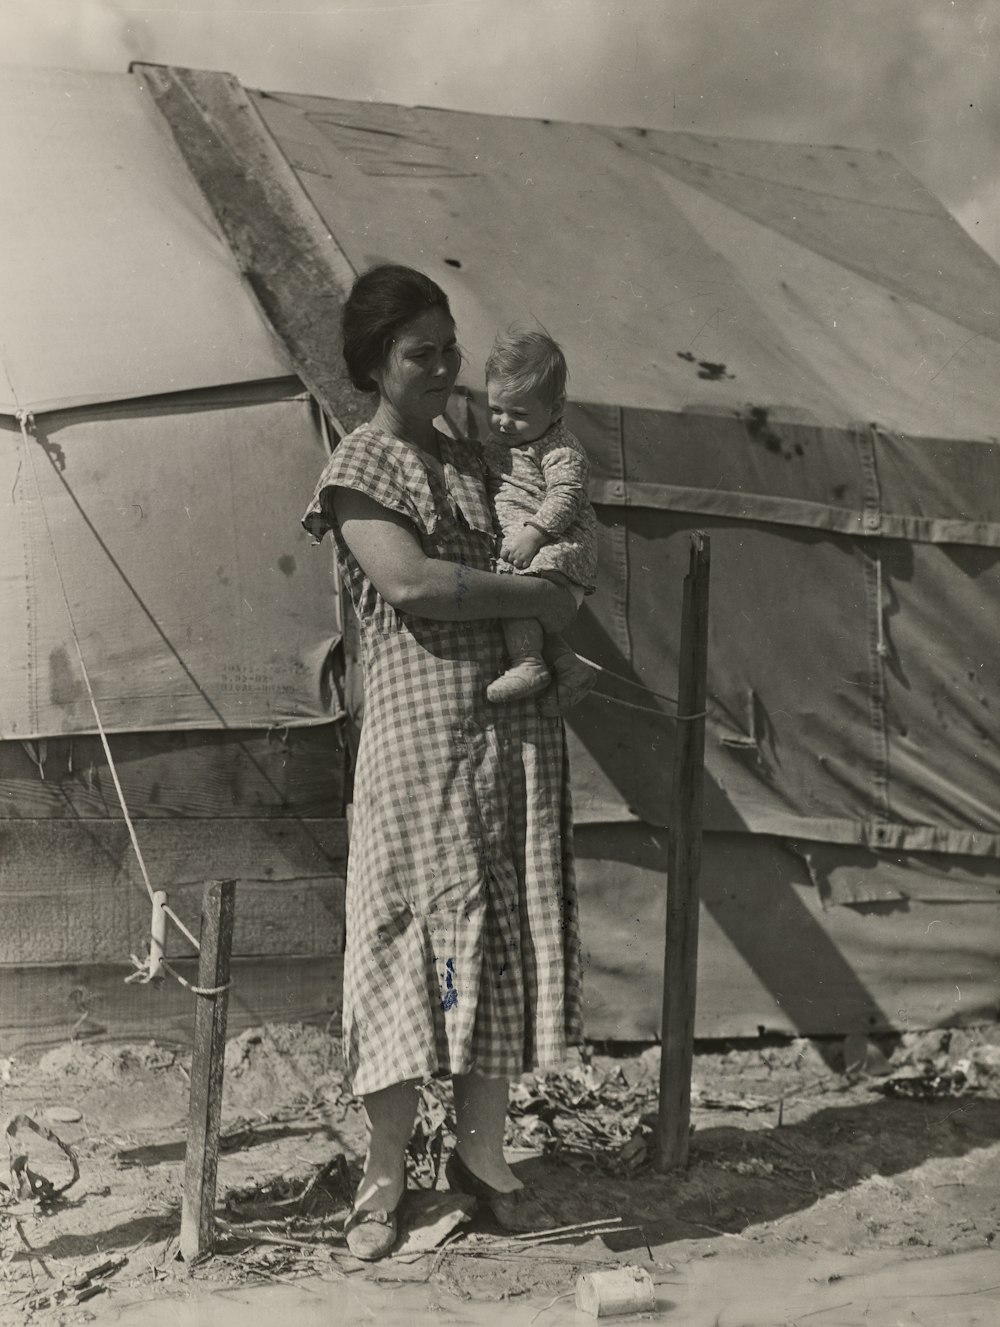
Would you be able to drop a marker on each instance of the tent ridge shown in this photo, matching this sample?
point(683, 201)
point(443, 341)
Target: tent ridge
point(291, 262)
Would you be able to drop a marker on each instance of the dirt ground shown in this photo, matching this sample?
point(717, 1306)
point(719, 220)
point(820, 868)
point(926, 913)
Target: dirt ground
point(807, 1147)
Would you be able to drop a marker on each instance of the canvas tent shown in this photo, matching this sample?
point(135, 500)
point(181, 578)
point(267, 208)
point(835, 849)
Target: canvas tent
point(148, 514)
point(795, 349)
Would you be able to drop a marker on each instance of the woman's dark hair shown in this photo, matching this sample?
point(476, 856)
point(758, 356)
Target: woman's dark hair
point(381, 301)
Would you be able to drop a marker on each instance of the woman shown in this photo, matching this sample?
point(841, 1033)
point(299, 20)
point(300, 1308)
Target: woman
point(462, 949)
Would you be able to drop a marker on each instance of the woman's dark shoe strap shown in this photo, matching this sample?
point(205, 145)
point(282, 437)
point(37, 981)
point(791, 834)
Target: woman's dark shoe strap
point(518, 1211)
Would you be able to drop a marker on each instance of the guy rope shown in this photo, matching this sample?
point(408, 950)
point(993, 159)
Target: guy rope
point(151, 967)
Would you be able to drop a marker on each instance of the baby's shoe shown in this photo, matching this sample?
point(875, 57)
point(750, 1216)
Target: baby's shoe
point(526, 677)
point(573, 680)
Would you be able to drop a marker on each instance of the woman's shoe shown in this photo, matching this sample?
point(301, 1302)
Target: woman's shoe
point(372, 1233)
point(518, 1211)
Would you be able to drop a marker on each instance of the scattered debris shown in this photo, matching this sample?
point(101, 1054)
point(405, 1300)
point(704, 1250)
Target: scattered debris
point(63, 1114)
point(587, 1111)
point(429, 1218)
point(926, 1085)
point(863, 1057)
point(240, 1050)
point(28, 1184)
point(848, 1170)
point(330, 1179)
point(77, 1287)
point(617, 1291)
point(728, 1100)
point(759, 1169)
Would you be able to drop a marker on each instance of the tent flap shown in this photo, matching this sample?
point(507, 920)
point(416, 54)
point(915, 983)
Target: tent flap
point(140, 537)
point(838, 709)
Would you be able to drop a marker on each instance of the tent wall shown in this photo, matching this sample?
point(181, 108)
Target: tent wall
point(150, 511)
point(195, 595)
point(265, 808)
point(851, 942)
point(207, 623)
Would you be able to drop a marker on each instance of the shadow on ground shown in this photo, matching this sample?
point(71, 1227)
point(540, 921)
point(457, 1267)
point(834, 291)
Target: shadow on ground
point(125, 1236)
point(158, 1154)
point(740, 1177)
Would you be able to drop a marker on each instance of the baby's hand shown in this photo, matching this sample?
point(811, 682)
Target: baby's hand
point(519, 549)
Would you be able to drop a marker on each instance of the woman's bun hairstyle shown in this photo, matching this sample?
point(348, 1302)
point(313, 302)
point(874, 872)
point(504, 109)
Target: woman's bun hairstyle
point(382, 300)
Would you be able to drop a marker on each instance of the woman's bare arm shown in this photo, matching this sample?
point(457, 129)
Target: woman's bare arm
point(389, 552)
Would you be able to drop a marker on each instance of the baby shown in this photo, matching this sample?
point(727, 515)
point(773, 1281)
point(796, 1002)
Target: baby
point(538, 481)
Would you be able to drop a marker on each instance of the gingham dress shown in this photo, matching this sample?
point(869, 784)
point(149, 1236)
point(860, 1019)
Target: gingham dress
point(462, 951)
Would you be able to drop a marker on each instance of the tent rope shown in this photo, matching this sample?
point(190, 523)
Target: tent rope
point(648, 709)
point(145, 972)
point(640, 686)
point(26, 421)
point(143, 976)
point(626, 681)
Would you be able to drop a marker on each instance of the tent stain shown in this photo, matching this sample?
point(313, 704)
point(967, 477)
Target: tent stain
point(706, 368)
point(713, 372)
point(286, 564)
point(758, 427)
point(64, 688)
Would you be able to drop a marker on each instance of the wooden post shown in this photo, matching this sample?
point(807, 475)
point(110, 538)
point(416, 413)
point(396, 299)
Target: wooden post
point(680, 969)
point(201, 1161)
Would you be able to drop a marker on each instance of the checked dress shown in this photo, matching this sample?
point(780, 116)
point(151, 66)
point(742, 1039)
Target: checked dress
point(462, 951)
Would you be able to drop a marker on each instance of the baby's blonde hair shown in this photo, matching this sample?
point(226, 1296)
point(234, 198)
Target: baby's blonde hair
point(528, 361)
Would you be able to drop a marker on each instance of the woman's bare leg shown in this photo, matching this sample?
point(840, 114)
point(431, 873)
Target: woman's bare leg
point(391, 1114)
point(480, 1116)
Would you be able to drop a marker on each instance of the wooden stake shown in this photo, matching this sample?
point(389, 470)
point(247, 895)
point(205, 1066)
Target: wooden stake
point(201, 1160)
point(680, 970)
point(158, 935)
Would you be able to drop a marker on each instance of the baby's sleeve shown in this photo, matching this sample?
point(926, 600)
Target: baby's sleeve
point(565, 470)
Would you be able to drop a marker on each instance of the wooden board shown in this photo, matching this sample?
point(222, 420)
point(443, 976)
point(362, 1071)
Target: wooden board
point(40, 1006)
point(71, 891)
point(286, 772)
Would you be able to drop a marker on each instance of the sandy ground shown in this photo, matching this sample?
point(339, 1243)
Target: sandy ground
point(823, 1178)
